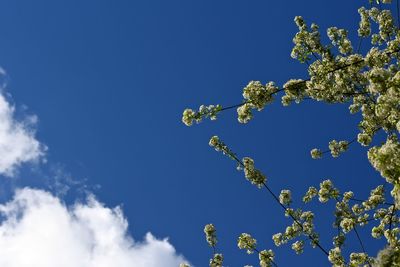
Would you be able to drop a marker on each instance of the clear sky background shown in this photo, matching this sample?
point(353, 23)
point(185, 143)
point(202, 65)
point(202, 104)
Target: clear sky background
point(109, 80)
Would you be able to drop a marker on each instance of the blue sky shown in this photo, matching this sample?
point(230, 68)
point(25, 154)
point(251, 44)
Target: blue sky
point(109, 80)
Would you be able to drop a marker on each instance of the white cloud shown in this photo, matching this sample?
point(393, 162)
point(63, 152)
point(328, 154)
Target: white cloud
point(17, 139)
point(38, 230)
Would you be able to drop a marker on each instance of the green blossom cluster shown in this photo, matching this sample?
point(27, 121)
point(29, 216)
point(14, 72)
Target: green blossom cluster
point(339, 39)
point(316, 153)
point(390, 256)
point(285, 197)
point(266, 258)
point(295, 90)
point(217, 260)
point(310, 194)
point(303, 225)
point(336, 258)
point(337, 148)
point(256, 96)
point(189, 116)
point(252, 174)
point(220, 146)
point(298, 246)
point(359, 259)
point(386, 160)
point(246, 241)
point(327, 191)
point(211, 236)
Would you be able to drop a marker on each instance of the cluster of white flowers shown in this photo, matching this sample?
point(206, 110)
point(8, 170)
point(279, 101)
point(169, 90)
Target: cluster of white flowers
point(364, 139)
point(358, 259)
point(385, 21)
point(217, 260)
point(364, 29)
point(337, 148)
point(190, 116)
point(295, 90)
point(336, 258)
point(211, 236)
point(256, 96)
point(245, 241)
point(327, 191)
point(386, 160)
point(244, 113)
point(339, 38)
point(390, 256)
point(266, 258)
point(344, 218)
point(285, 197)
point(338, 241)
point(347, 224)
point(298, 246)
point(220, 146)
point(316, 153)
point(252, 174)
point(303, 224)
point(310, 194)
point(377, 197)
point(388, 226)
point(306, 41)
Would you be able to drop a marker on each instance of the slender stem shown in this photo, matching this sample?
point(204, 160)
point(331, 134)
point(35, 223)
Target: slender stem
point(360, 241)
point(285, 209)
point(234, 106)
point(352, 141)
point(391, 216)
point(359, 44)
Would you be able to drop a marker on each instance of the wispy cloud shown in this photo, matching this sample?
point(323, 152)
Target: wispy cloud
point(18, 143)
point(39, 230)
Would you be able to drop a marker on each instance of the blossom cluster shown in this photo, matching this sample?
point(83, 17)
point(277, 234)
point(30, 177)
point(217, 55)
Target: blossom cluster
point(217, 260)
point(220, 146)
point(303, 224)
point(337, 148)
point(327, 191)
point(246, 241)
point(336, 258)
point(211, 236)
point(189, 116)
point(285, 197)
point(256, 96)
point(252, 174)
point(266, 258)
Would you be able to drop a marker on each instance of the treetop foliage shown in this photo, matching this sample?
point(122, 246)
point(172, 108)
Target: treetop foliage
point(338, 74)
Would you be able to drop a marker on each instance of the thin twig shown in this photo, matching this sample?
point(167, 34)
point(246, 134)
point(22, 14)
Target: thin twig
point(391, 216)
point(359, 43)
point(285, 209)
point(361, 243)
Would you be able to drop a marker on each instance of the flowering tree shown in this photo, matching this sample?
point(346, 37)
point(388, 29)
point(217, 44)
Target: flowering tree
point(338, 74)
